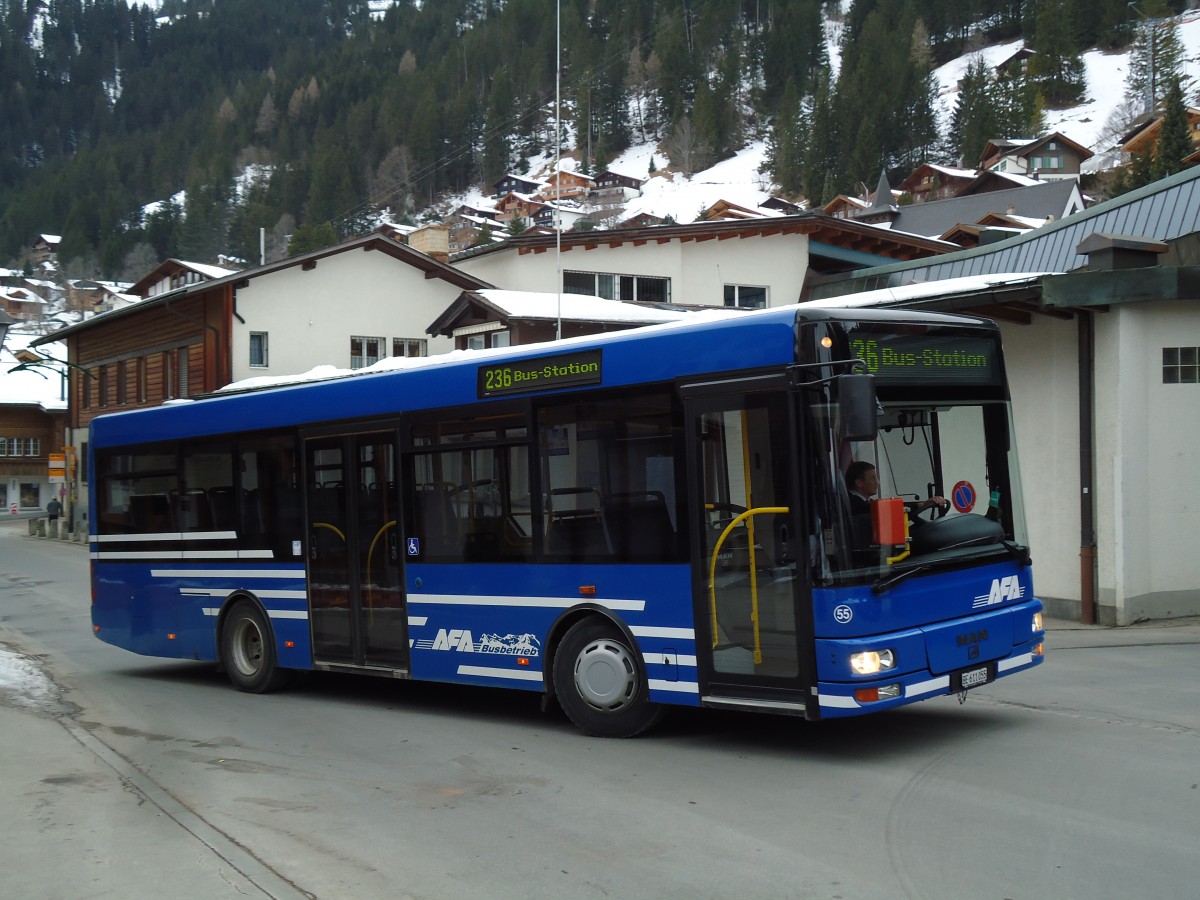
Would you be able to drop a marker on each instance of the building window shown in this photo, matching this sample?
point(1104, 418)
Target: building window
point(140, 387)
point(258, 349)
point(168, 375)
point(122, 384)
point(1181, 365)
point(745, 297)
point(409, 347)
point(103, 386)
point(18, 446)
point(489, 339)
point(633, 288)
point(182, 369)
point(365, 351)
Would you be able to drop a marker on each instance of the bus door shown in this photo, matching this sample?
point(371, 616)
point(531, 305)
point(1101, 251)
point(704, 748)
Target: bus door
point(751, 633)
point(356, 598)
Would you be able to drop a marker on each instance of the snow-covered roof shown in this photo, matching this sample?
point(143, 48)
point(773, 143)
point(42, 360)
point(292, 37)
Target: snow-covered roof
point(576, 308)
point(31, 387)
point(912, 292)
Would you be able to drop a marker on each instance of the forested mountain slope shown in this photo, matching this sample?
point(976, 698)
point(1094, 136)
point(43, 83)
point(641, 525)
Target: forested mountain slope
point(310, 116)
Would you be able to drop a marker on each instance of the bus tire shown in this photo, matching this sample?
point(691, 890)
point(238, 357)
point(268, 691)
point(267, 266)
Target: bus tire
point(248, 650)
point(600, 684)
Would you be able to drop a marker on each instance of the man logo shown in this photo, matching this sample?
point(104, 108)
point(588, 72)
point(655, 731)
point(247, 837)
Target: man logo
point(454, 639)
point(1003, 590)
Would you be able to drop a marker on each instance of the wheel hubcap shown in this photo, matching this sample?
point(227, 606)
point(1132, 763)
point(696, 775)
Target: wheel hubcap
point(247, 648)
point(605, 675)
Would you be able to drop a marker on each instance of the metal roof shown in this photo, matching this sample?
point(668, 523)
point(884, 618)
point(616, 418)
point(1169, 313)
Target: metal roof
point(1165, 210)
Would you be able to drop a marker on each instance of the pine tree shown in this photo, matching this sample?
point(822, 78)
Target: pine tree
point(975, 120)
point(1174, 140)
point(1157, 55)
point(1056, 67)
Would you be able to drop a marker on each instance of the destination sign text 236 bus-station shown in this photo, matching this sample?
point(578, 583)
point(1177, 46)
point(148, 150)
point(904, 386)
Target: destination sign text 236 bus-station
point(539, 374)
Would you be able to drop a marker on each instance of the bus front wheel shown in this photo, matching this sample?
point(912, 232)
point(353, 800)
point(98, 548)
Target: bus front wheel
point(599, 682)
point(248, 651)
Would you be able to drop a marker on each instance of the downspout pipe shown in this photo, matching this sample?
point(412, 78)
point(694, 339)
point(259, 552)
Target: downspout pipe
point(1087, 442)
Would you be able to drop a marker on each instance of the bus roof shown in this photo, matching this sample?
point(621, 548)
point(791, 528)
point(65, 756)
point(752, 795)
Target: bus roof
point(711, 342)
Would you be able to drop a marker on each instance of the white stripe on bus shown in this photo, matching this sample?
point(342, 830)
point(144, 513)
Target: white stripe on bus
point(510, 674)
point(686, 634)
point(679, 687)
point(543, 602)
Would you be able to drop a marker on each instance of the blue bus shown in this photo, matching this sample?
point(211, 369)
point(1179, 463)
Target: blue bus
point(625, 522)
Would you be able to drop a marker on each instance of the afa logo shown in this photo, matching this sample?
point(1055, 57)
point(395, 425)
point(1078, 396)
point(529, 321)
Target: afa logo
point(1003, 590)
point(463, 641)
point(454, 639)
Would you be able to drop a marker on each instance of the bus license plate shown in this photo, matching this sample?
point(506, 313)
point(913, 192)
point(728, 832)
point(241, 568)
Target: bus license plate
point(971, 678)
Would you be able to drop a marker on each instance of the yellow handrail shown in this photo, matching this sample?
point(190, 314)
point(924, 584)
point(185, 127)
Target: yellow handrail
point(370, 553)
point(712, 574)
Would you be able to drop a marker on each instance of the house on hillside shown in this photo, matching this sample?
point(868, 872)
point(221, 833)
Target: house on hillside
point(1143, 138)
point(347, 306)
point(22, 304)
point(614, 188)
point(45, 248)
point(565, 185)
point(1023, 207)
point(514, 184)
point(517, 206)
point(930, 181)
point(1102, 357)
point(1050, 158)
point(756, 262)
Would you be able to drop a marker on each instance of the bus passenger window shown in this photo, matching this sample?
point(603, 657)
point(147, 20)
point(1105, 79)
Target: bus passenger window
point(134, 493)
point(472, 504)
point(609, 479)
point(269, 499)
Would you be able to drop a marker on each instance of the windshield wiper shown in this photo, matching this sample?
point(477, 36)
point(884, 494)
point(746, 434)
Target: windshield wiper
point(1019, 553)
point(885, 582)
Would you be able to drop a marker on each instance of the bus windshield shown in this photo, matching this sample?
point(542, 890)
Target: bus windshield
point(958, 451)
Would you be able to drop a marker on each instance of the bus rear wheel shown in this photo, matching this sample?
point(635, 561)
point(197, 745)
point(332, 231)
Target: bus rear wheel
point(248, 651)
point(600, 683)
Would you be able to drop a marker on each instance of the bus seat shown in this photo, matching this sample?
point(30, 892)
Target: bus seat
point(577, 527)
point(150, 513)
point(436, 522)
point(221, 505)
point(640, 524)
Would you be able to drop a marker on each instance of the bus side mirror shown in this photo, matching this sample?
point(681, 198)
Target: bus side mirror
point(858, 407)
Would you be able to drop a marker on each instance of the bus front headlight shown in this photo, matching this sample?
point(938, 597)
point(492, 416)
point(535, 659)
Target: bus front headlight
point(1037, 622)
point(869, 662)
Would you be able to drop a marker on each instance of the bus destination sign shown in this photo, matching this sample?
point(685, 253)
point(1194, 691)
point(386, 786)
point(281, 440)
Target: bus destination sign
point(542, 373)
point(932, 357)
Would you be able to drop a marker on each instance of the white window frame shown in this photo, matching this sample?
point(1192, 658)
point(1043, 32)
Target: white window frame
point(363, 359)
point(737, 290)
point(264, 350)
point(402, 346)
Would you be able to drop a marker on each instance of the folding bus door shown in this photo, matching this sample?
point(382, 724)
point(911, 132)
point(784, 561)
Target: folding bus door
point(356, 597)
point(751, 633)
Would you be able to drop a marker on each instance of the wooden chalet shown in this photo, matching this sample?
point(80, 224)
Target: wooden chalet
point(1054, 156)
point(1143, 139)
point(516, 206)
point(565, 185)
point(930, 181)
point(515, 184)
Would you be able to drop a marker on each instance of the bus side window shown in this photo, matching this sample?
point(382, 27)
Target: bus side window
point(609, 478)
point(269, 496)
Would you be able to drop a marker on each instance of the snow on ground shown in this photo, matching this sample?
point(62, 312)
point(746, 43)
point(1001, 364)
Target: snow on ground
point(23, 683)
point(1106, 74)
